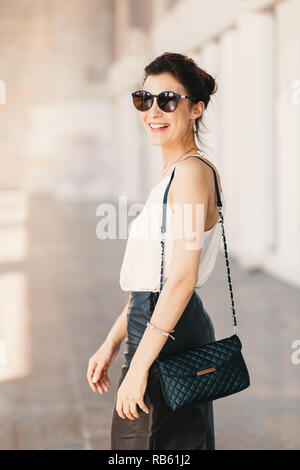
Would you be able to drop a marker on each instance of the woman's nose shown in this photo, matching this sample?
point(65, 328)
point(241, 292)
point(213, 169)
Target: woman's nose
point(155, 109)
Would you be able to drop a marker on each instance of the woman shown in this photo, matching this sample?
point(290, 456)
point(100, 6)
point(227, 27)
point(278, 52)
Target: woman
point(174, 96)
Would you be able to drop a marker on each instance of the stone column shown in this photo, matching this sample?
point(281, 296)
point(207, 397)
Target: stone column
point(285, 260)
point(228, 128)
point(254, 134)
point(128, 155)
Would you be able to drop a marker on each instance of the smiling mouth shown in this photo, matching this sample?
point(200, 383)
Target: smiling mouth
point(158, 127)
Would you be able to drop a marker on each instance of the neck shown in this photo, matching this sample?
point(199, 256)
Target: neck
point(174, 154)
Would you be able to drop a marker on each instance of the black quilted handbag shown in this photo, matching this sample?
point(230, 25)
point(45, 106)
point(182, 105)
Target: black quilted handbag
point(210, 371)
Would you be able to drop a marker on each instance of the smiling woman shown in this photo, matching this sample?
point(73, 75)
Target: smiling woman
point(171, 102)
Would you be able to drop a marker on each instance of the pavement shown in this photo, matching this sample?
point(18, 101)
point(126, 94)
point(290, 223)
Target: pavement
point(60, 295)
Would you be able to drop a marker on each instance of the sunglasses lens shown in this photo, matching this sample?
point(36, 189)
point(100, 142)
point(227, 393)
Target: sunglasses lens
point(142, 101)
point(167, 102)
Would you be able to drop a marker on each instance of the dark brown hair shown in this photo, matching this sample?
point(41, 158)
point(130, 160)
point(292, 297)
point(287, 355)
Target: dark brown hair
point(197, 82)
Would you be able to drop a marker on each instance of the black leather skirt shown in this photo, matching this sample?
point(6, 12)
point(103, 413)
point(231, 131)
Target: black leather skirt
point(189, 428)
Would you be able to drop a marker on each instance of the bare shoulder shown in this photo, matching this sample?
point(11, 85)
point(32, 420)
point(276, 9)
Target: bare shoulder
point(196, 168)
point(213, 166)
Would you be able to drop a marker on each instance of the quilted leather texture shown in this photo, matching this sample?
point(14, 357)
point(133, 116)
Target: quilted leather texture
point(182, 386)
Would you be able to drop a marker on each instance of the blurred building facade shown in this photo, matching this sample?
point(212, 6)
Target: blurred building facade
point(68, 127)
point(55, 123)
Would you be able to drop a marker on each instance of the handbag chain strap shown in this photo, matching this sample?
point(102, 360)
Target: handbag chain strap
point(221, 221)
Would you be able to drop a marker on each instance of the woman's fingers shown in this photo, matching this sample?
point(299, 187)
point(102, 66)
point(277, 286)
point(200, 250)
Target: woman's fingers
point(126, 410)
point(97, 378)
point(133, 410)
point(99, 387)
point(119, 409)
point(90, 372)
point(105, 378)
point(129, 409)
point(97, 373)
point(143, 407)
point(100, 379)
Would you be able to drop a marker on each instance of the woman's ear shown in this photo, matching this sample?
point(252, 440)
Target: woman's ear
point(198, 109)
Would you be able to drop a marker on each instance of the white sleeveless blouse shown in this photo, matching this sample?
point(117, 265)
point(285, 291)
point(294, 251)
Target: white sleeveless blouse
point(140, 270)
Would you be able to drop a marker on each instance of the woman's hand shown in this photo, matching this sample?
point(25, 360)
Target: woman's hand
point(131, 393)
point(98, 365)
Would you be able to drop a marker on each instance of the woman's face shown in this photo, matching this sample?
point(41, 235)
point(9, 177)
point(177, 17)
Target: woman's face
point(180, 121)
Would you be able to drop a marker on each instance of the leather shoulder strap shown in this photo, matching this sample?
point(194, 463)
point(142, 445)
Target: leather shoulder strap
point(164, 216)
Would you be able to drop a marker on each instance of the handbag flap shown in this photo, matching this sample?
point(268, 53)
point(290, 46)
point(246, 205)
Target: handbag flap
point(201, 360)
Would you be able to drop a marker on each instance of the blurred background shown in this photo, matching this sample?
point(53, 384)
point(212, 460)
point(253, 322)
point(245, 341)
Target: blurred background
point(70, 139)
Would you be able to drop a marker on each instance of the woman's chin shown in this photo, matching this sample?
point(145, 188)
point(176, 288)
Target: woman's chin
point(157, 140)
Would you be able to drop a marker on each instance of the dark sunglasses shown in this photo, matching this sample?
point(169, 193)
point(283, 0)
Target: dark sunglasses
point(166, 100)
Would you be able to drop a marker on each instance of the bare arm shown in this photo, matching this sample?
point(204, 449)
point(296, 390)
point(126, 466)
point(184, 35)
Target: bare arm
point(118, 331)
point(190, 186)
point(99, 362)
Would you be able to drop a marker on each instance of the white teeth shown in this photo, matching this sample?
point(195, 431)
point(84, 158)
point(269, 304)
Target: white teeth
point(157, 126)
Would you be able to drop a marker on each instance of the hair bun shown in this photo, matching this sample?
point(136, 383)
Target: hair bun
point(210, 82)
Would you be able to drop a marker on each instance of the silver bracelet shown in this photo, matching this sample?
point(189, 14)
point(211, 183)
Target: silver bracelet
point(154, 328)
